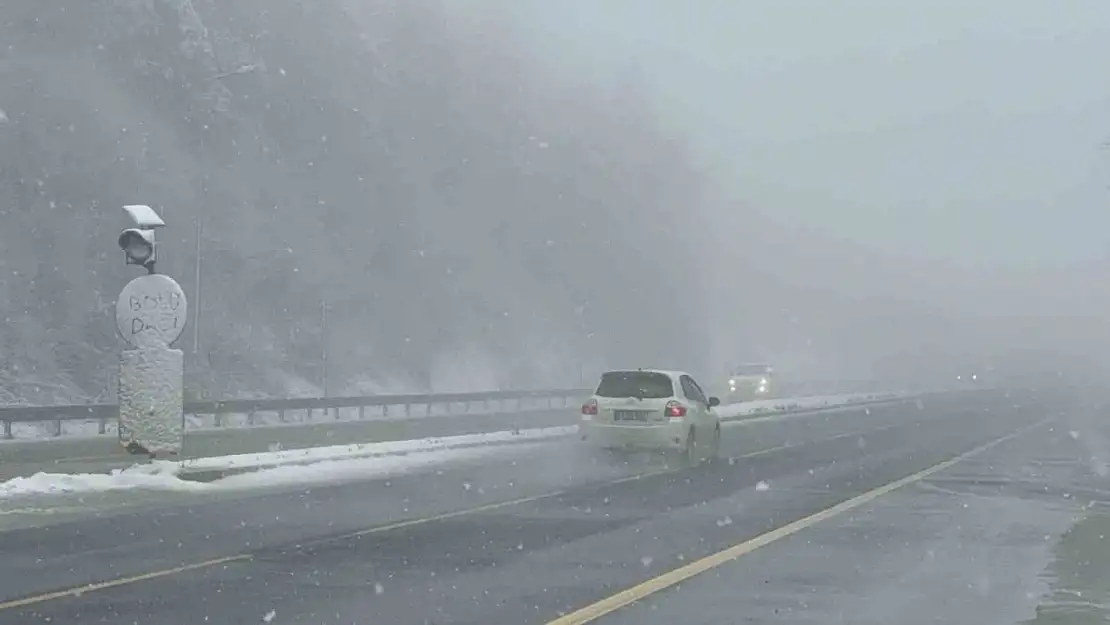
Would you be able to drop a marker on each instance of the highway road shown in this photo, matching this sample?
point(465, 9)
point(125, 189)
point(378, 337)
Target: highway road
point(944, 511)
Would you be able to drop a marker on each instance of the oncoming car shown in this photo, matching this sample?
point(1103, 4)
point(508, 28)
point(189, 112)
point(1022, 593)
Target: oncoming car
point(652, 409)
point(752, 381)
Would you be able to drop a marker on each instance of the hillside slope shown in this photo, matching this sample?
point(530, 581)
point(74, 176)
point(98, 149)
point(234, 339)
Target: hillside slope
point(468, 222)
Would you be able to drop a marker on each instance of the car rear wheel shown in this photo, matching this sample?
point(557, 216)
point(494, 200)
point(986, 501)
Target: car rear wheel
point(714, 445)
point(689, 456)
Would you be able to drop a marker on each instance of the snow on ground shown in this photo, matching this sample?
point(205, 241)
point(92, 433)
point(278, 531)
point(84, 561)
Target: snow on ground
point(280, 467)
point(323, 464)
point(138, 477)
point(332, 471)
point(339, 452)
point(783, 404)
point(166, 477)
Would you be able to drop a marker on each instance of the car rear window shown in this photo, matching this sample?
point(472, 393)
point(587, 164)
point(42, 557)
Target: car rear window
point(643, 384)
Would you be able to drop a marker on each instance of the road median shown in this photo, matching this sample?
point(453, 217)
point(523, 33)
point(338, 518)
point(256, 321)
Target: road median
point(103, 454)
point(213, 454)
point(214, 468)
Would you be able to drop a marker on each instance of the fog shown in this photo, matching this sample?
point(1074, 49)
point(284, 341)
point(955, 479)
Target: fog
point(902, 190)
point(515, 193)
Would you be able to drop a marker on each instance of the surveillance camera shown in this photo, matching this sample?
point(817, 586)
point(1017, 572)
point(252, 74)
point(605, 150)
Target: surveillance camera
point(137, 244)
point(144, 216)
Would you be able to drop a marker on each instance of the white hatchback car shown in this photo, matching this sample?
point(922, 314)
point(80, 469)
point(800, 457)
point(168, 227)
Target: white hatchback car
point(652, 409)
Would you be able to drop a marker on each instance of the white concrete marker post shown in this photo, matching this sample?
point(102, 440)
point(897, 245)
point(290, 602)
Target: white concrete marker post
point(150, 315)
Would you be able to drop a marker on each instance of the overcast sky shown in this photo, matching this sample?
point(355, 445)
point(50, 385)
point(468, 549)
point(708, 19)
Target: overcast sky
point(970, 131)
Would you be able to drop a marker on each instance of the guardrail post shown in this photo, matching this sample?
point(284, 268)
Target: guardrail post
point(281, 415)
point(385, 410)
point(57, 427)
point(217, 420)
point(8, 429)
point(408, 410)
point(361, 413)
point(102, 426)
point(250, 417)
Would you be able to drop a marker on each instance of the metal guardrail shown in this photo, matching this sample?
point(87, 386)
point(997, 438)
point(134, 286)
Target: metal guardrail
point(104, 413)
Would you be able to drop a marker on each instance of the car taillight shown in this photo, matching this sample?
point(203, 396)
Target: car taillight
point(675, 410)
point(590, 407)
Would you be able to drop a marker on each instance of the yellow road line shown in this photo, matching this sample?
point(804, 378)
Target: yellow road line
point(121, 581)
point(615, 602)
point(124, 581)
point(439, 517)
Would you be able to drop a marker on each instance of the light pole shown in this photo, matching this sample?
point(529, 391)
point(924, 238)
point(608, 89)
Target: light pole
point(324, 341)
point(150, 315)
point(197, 293)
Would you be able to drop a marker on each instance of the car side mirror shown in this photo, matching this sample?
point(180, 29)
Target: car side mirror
point(714, 402)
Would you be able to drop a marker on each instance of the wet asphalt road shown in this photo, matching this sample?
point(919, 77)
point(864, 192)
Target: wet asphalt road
point(958, 541)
